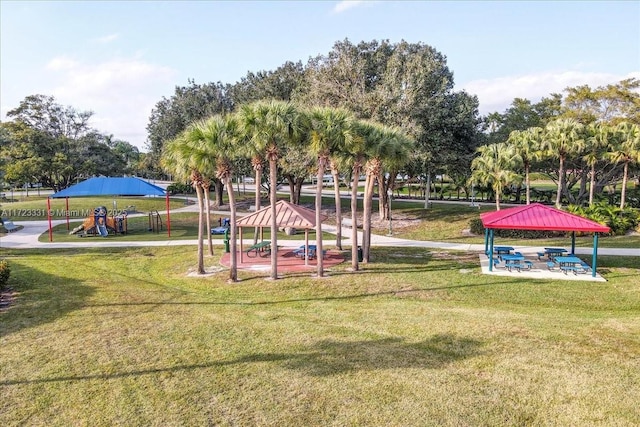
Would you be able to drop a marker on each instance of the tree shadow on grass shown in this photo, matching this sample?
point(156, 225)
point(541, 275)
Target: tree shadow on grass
point(41, 297)
point(324, 358)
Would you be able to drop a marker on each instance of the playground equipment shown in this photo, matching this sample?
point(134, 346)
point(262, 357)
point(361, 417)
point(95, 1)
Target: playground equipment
point(100, 224)
point(155, 222)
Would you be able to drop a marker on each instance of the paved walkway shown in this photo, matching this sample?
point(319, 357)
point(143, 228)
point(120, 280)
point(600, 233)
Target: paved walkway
point(28, 238)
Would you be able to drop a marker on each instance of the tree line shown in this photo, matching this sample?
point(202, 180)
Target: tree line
point(586, 143)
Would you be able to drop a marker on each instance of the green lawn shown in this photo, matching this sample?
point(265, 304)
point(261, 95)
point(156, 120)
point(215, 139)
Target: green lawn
point(123, 337)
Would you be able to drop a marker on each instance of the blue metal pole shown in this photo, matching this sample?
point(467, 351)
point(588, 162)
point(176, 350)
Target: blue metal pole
point(491, 251)
point(594, 260)
point(486, 241)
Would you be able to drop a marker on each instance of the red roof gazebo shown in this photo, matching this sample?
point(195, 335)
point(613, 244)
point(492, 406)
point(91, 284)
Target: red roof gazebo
point(540, 217)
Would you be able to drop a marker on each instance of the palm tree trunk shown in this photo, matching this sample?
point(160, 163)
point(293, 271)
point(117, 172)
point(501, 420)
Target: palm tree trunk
point(366, 217)
point(200, 226)
point(497, 191)
point(258, 181)
point(592, 183)
point(354, 218)
point(320, 175)
point(233, 272)
point(336, 189)
point(273, 180)
point(623, 193)
point(207, 201)
point(560, 182)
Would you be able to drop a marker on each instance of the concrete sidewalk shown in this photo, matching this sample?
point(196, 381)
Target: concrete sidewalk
point(28, 238)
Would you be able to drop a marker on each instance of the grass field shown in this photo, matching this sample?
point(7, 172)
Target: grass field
point(123, 337)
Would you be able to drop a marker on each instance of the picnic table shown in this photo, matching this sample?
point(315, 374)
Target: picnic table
point(502, 250)
point(571, 263)
point(552, 253)
point(311, 251)
point(263, 249)
point(516, 261)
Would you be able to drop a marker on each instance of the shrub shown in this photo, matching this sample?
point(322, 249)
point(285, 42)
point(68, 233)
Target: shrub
point(5, 272)
point(619, 220)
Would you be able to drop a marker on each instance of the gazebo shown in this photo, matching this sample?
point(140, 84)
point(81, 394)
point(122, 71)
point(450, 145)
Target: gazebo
point(287, 215)
point(540, 217)
point(106, 186)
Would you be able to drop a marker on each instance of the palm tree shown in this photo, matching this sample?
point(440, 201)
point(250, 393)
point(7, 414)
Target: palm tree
point(527, 146)
point(561, 139)
point(220, 135)
point(330, 130)
point(178, 159)
point(269, 126)
point(385, 146)
point(626, 151)
point(597, 141)
point(494, 166)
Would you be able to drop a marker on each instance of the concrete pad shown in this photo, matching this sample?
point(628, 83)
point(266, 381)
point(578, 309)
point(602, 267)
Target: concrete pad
point(538, 271)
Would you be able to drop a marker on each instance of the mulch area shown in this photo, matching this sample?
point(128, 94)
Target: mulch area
point(287, 261)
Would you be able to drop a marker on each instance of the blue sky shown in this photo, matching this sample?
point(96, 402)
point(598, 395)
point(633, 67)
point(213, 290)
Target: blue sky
point(119, 58)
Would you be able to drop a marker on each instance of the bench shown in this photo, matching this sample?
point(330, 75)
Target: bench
point(540, 255)
point(551, 265)
point(9, 225)
point(262, 249)
point(575, 268)
point(312, 253)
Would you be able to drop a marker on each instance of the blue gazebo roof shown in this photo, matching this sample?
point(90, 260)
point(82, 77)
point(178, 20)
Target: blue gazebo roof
point(105, 186)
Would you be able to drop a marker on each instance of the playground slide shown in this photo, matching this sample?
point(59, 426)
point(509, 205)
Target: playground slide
point(102, 230)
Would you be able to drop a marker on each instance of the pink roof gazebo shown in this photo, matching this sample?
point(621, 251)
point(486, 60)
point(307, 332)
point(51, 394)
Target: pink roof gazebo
point(540, 217)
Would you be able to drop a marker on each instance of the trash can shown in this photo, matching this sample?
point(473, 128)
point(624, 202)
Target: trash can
point(226, 241)
point(359, 253)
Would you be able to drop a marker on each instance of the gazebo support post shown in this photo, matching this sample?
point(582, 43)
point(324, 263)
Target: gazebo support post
point(491, 250)
point(241, 249)
point(594, 260)
point(486, 241)
point(49, 218)
point(306, 246)
point(573, 243)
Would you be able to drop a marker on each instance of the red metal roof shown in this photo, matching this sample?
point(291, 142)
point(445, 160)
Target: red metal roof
point(287, 215)
point(539, 217)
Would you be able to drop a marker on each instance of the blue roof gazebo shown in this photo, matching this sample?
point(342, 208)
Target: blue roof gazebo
point(107, 186)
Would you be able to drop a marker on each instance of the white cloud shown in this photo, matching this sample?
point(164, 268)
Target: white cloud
point(120, 92)
point(343, 5)
point(498, 93)
point(108, 38)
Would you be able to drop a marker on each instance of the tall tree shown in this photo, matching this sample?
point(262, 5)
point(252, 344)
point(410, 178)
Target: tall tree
point(611, 104)
point(626, 151)
point(179, 158)
point(330, 131)
point(269, 126)
point(562, 138)
point(527, 146)
point(495, 167)
point(597, 141)
point(220, 136)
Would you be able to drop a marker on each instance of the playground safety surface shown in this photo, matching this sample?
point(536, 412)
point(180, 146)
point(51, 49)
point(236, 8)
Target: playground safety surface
point(287, 261)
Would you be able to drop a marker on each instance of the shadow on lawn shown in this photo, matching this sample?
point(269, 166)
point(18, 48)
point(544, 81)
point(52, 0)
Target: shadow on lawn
point(41, 297)
point(324, 358)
